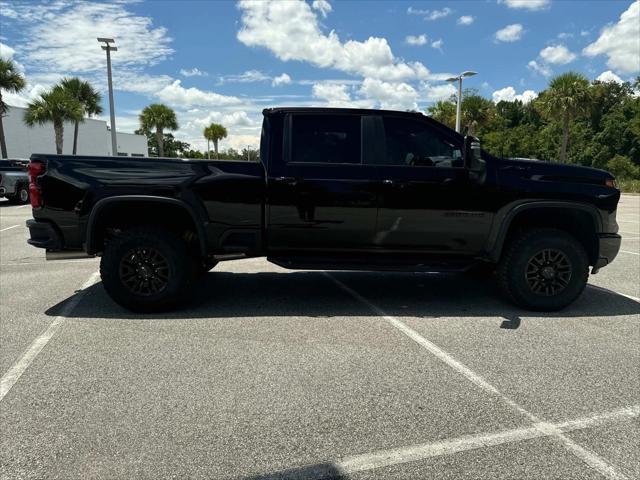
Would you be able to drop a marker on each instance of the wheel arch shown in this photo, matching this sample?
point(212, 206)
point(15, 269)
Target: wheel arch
point(173, 213)
point(578, 219)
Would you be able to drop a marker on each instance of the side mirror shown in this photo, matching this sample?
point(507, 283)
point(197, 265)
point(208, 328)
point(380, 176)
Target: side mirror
point(473, 155)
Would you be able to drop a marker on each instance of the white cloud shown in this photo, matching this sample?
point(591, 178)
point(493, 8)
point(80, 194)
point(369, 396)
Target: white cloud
point(250, 76)
point(176, 95)
point(565, 35)
point(334, 94)
point(527, 4)
point(557, 54)
point(62, 36)
point(437, 14)
point(416, 11)
point(283, 79)
point(466, 20)
point(609, 76)
point(540, 68)
point(510, 33)
point(415, 39)
point(509, 94)
point(437, 44)
point(291, 31)
point(433, 93)
point(6, 51)
point(619, 42)
point(392, 96)
point(322, 6)
point(193, 72)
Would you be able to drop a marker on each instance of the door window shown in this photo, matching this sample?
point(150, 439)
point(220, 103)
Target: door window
point(414, 143)
point(325, 139)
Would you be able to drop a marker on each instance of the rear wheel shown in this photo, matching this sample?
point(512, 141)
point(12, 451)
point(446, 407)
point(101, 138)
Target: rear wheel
point(544, 269)
point(147, 269)
point(21, 196)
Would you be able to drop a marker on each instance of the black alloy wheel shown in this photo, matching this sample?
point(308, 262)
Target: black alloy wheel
point(548, 272)
point(144, 271)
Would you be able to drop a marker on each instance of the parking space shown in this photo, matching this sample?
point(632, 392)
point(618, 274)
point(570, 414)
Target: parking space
point(272, 374)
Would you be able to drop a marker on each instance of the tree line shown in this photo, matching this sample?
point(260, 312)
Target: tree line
point(596, 124)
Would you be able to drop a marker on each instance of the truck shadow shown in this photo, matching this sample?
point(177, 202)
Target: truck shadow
point(314, 294)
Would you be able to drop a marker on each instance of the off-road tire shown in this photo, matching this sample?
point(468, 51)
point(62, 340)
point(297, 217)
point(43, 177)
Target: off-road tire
point(518, 255)
point(179, 269)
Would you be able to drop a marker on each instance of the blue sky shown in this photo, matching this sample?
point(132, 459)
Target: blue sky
point(217, 61)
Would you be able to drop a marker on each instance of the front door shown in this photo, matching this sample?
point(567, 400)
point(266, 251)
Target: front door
point(321, 196)
point(427, 202)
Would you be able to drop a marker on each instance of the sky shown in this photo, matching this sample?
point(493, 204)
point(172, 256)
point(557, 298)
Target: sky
point(224, 62)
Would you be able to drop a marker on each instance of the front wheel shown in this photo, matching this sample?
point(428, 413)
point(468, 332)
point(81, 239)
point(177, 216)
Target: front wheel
point(544, 270)
point(147, 269)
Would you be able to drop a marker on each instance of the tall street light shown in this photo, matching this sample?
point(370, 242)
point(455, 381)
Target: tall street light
point(467, 73)
point(110, 48)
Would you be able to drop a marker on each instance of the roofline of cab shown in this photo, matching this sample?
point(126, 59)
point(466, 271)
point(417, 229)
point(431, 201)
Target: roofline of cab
point(357, 111)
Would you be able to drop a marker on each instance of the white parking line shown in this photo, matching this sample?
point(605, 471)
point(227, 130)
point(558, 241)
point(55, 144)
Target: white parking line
point(15, 372)
point(632, 253)
point(25, 206)
point(387, 458)
point(602, 289)
point(9, 228)
point(590, 458)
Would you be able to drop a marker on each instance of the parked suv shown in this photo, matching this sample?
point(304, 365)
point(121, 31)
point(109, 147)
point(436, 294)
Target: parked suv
point(333, 189)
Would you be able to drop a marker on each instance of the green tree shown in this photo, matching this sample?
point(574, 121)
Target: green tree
point(89, 99)
point(568, 96)
point(158, 117)
point(444, 111)
point(623, 167)
point(215, 132)
point(477, 112)
point(13, 82)
point(55, 106)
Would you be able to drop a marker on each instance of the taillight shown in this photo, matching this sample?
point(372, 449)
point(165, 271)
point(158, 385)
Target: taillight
point(35, 193)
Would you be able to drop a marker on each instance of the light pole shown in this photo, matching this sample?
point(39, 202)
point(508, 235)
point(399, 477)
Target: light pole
point(111, 48)
point(467, 73)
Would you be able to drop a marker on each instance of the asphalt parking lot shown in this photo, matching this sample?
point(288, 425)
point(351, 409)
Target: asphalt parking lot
point(276, 374)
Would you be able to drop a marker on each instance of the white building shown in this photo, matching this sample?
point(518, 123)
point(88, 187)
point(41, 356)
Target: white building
point(94, 138)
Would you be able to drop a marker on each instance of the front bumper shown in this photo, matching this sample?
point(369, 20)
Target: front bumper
point(608, 248)
point(44, 235)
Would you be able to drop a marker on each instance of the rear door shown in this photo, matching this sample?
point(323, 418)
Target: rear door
point(427, 202)
point(321, 197)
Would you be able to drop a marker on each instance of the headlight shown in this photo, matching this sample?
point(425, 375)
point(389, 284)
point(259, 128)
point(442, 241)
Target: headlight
point(611, 183)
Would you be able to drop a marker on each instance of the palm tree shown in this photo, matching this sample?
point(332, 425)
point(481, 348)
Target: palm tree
point(88, 97)
point(159, 117)
point(207, 134)
point(568, 95)
point(55, 106)
point(215, 132)
point(11, 81)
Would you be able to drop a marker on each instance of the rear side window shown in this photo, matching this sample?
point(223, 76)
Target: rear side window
point(325, 139)
point(409, 142)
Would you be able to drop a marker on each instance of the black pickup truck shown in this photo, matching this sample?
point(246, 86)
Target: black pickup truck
point(333, 189)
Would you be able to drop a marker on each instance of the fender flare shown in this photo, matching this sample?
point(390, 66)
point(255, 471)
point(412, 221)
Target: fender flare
point(505, 216)
point(101, 204)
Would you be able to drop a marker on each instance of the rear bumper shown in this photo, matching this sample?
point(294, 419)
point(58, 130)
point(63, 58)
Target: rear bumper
point(608, 248)
point(44, 235)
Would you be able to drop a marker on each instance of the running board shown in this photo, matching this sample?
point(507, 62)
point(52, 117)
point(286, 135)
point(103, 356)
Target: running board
point(457, 266)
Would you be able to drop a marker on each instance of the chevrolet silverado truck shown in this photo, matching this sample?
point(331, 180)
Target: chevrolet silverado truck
point(340, 189)
point(14, 181)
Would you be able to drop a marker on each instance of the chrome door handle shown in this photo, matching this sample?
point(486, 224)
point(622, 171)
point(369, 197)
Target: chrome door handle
point(387, 182)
